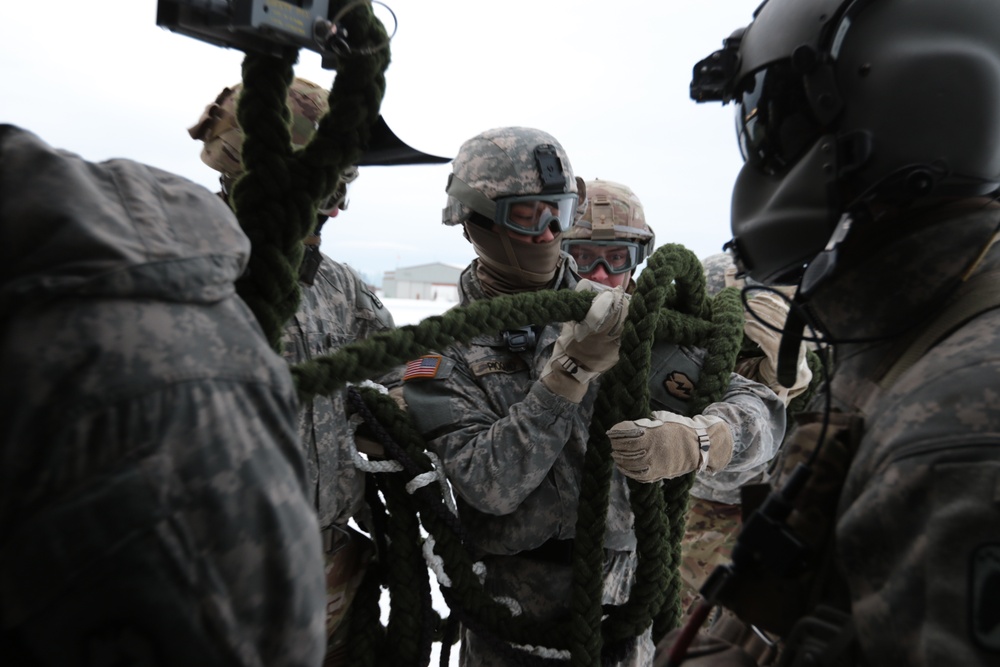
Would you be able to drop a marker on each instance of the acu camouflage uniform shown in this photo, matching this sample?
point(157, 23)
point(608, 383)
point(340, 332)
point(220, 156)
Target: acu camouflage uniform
point(514, 453)
point(917, 535)
point(337, 309)
point(152, 492)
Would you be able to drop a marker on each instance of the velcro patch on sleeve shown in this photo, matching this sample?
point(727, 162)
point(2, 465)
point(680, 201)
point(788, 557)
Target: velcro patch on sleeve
point(424, 368)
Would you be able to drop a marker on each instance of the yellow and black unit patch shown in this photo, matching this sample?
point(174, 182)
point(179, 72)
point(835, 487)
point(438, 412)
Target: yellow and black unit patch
point(679, 385)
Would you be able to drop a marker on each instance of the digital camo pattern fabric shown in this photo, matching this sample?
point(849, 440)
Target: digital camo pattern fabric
point(756, 417)
point(514, 451)
point(919, 516)
point(152, 499)
point(720, 272)
point(542, 589)
point(501, 163)
point(338, 309)
point(514, 454)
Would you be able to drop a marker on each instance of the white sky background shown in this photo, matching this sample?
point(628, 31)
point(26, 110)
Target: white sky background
point(608, 80)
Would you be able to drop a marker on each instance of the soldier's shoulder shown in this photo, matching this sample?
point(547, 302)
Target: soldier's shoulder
point(427, 367)
point(351, 288)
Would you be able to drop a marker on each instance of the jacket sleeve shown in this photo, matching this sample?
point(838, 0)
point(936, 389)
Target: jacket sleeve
point(498, 444)
point(756, 417)
point(918, 533)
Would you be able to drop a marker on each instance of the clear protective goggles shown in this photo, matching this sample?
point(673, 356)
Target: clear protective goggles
point(617, 255)
point(533, 214)
point(774, 122)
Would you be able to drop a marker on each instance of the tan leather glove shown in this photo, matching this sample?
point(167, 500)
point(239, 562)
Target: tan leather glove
point(774, 310)
point(587, 348)
point(669, 445)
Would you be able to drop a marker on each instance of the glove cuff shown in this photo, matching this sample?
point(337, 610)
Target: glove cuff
point(572, 367)
point(715, 442)
point(561, 382)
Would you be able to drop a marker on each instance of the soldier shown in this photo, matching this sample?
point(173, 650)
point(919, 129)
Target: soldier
point(153, 507)
point(611, 239)
point(337, 308)
point(871, 181)
point(609, 242)
point(507, 419)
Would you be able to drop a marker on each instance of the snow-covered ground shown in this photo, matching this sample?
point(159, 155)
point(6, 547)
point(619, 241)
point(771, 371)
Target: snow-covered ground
point(411, 311)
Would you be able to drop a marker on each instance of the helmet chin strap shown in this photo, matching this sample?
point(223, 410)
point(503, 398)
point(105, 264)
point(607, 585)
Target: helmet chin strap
point(820, 269)
point(508, 248)
point(788, 349)
point(825, 263)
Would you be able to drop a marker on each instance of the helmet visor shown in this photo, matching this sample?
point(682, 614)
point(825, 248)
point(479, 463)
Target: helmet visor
point(617, 256)
point(532, 215)
point(774, 123)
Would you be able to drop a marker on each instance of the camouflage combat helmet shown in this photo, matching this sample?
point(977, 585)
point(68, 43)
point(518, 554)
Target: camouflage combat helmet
point(613, 217)
point(507, 162)
point(223, 138)
point(613, 211)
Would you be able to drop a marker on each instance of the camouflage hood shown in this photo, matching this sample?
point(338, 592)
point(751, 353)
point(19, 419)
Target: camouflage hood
point(115, 228)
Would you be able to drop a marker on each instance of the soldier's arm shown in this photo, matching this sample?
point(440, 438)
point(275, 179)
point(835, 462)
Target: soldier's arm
point(756, 417)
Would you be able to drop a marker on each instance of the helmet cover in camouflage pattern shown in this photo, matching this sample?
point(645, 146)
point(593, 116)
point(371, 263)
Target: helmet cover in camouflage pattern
point(223, 137)
point(500, 163)
point(618, 214)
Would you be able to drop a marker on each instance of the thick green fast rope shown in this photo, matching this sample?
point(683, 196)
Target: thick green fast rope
point(672, 277)
point(276, 198)
point(465, 591)
point(385, 350)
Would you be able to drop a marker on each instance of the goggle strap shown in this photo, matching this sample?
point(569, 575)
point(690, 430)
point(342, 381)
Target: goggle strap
point(631, 234)
point(471, 197)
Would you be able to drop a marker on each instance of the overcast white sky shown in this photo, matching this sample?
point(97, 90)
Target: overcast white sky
point(608, 80)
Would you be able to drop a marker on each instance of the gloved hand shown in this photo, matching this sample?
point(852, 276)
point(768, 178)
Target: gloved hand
point(587, 348)
point(669, 445)
point(774, 310)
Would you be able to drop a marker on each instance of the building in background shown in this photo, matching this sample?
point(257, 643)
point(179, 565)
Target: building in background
point(430, 282)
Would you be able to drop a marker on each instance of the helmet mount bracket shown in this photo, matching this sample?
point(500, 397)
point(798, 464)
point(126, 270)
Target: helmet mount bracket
point(550, 169)
point(603, 222)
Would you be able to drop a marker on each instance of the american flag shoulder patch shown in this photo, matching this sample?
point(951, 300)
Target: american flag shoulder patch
point(426, 367)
